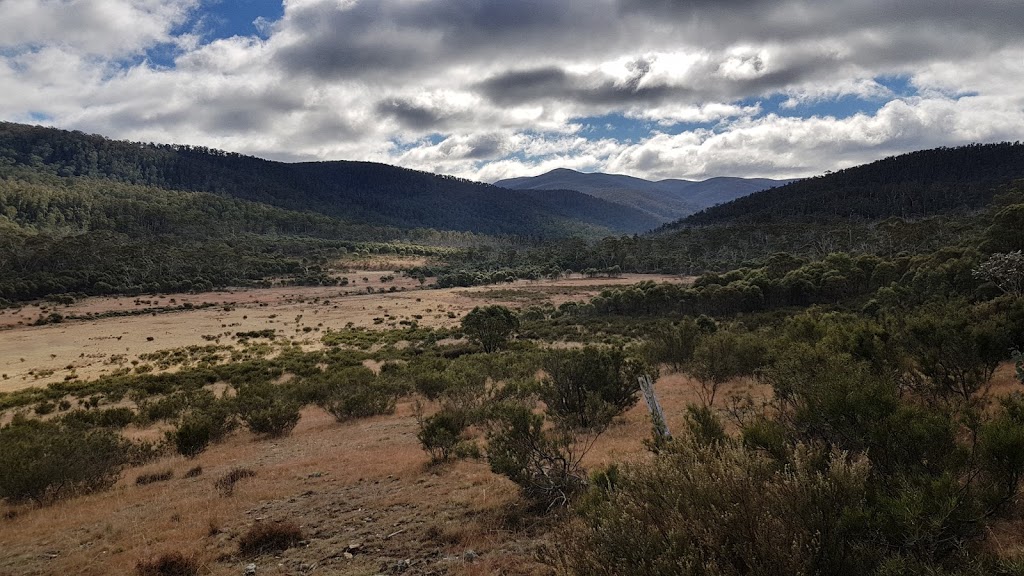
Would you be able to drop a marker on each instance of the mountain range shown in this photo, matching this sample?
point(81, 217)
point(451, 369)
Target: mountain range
point(359, 192)
point(663, 200)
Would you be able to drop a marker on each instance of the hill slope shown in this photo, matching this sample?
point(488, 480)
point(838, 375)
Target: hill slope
point(665, 200)
point(361, 191)
point(923, 183)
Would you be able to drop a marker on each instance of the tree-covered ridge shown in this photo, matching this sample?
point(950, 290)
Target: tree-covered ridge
point(362, 191)
point(923, 183)
point(88, 235)
point(70, 205)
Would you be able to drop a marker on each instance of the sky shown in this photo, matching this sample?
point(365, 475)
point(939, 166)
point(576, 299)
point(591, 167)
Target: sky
point(491, 89)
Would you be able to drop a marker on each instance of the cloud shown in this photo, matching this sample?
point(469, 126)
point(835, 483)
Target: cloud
point(106, 28)
point(497, 88)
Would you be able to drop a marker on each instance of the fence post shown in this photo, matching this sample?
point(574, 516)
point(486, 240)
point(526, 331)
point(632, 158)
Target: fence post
point(657, 414)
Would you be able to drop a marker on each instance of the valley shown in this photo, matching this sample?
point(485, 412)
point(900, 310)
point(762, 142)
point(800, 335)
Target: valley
point(216, 364)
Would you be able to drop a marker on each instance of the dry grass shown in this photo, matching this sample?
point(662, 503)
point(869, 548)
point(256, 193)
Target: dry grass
point(362, 482)
point(168, 564)
point(269, 537)
point(153, 477)
point(96, 347)
point(226, 483)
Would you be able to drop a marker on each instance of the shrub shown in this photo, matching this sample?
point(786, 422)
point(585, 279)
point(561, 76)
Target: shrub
point(725, 355)
point(226, 483)
point(107, 418)
point(589, 386)
point(267, 410)
point(544, 462)
point(201, 427)
point(358, 393)
point(194, 472)
point(269, 537)
point(725, 510)
point(42, 461)
point(441, 433)
point(169, 564)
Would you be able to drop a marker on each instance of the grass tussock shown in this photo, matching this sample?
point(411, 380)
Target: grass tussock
point(226, 483)
point(269, 537)
point(169, 564)
point(152, 477)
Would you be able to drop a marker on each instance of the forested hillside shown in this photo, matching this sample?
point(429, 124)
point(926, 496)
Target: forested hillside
point(924, 183)
point(355, 191)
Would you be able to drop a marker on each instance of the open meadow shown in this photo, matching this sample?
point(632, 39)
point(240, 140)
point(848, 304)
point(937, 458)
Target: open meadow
point(363, 492)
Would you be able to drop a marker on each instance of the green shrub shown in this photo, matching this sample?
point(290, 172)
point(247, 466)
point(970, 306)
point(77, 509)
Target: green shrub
point(589, 386)
point(267, 409)
point(546, 463)
point(358, 393)
point(490, 326)
point(441, 433)
point(44, 461)
point(725, 510)
point(199, 428)
point(106, 418)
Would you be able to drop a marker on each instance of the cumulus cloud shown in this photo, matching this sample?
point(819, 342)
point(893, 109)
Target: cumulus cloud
point(107, 28)
point(490, 89)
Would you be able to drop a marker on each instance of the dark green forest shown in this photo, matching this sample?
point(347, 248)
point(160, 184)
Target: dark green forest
point(914, 185)
point(353, 191)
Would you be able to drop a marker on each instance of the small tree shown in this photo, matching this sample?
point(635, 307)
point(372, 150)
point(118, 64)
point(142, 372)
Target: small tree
point(490, 326)
point(589, 386)
point(723, 356)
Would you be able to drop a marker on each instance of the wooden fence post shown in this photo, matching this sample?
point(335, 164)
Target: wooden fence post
point(657, 414)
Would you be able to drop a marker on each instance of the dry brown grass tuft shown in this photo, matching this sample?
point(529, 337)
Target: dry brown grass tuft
point(152, 477)
point(169, 564)
point(268, 537)
point(226, 483)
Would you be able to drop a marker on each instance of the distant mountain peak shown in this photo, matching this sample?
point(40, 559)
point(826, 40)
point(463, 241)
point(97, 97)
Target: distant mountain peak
point(666, 200)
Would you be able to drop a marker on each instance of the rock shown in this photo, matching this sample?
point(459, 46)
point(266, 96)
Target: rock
point(250, 570)
point(348, 556)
